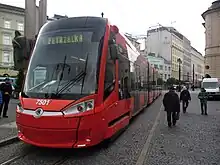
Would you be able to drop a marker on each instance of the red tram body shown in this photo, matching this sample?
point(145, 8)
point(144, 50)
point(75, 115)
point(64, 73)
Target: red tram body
point(84, 83)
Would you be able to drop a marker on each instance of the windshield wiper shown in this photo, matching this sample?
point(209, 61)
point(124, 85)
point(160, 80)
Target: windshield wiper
point(61, 76)
point(85, 72)
point(72, 82)
point(75, 80)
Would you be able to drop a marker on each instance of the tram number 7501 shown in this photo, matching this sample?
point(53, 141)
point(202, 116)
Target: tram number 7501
point(43, 102)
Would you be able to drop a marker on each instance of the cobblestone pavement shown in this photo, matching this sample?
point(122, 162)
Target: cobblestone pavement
point(11, 112)
point(125, 150)
point(194, 141)
point(8, 125)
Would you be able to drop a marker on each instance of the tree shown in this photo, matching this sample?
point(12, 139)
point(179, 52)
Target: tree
point(171, 81)
point(207, 76)
point(159, 81)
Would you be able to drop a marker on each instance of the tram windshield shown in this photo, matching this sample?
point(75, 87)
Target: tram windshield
point(63, 65)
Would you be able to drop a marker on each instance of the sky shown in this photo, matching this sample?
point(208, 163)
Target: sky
point(136, 16)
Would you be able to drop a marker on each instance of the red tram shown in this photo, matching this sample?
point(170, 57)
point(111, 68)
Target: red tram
point(84, 83)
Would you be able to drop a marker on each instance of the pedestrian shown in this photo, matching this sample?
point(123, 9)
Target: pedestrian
point(185, 97)
point(6, 89)
point(203, 97)
point(171, 104)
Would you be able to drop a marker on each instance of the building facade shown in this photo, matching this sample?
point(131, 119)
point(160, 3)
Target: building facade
point(167, 42)
point(212, 47)
point(186, 59)
point(134, 41)
point(11, 19)
point(177, 54)
point(197, 61)
point(176, 49)
point(162, 65)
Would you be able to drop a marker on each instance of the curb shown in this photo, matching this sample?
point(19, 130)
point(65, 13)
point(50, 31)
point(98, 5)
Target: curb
point(9, 141)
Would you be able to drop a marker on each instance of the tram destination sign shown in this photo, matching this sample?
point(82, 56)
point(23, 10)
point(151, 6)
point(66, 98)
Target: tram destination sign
point(68, 39)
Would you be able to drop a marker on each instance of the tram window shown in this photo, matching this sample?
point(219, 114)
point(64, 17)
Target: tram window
point(145, 80)
point(150, 79)
point(138, 77)
point(142, 79)
point(39, 75)
point(132, 75)
point(124, 74)
point(109, 82)
point(154, 82)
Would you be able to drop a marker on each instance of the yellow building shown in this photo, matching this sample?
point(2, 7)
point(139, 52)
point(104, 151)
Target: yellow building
point(177, 53)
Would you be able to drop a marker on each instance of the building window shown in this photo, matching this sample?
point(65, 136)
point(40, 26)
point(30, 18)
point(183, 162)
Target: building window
point(6, 39)
point(7, 24)
point(168, 75)
point(169, 68)
point(165, 76)
point(6, 57)
point(161, 67)
point(161, 75)
point(165, 68)
point(20, 26)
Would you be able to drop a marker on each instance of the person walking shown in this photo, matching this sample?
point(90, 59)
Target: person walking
point(203, 97)
point(185, 97)
point(6, 89)
point(171, 104)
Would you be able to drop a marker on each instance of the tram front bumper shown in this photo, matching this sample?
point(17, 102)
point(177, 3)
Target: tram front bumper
point(52, 132)
point(53, 138)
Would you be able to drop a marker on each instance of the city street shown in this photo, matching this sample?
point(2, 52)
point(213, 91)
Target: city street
point(147, 141)
point(11, 112)
point(7, 125)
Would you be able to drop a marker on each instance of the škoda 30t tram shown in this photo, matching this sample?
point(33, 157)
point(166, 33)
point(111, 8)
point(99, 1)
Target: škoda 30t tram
point(84, 83)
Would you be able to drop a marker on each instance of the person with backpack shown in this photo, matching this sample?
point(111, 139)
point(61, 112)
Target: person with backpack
point(185, 97)
point(203, 97)
point(171, 104)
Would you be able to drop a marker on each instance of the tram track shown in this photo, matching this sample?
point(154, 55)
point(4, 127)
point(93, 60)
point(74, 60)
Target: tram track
point(18, 157)
point(11, 160)
point(61, 161)
point(33, 152)
point(14, 159)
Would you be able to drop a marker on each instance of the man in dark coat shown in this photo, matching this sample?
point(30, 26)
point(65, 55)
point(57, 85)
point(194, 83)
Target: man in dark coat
point(171, 104)
point(185, 97)
point(6, 90)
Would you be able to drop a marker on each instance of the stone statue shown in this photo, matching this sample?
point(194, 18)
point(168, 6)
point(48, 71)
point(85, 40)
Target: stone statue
point(22, 51)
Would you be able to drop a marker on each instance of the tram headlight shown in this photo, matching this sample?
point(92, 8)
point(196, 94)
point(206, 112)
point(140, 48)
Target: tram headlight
point(80, 107)
point(19, 108)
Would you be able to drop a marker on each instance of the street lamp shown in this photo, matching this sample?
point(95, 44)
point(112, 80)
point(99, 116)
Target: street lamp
point(193, 84)
point(180, 62)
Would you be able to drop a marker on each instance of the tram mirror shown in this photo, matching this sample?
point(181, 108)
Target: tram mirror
point(113, 51)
